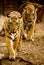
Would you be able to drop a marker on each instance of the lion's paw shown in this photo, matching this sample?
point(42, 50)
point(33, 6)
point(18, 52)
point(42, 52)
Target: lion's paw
point(12, 57)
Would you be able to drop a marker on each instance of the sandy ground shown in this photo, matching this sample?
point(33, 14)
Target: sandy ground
point(29, 52)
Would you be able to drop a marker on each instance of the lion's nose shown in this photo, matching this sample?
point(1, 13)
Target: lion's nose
point(30, 21)
point(13, 31)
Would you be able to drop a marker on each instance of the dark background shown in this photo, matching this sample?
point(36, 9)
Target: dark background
point(7, 6)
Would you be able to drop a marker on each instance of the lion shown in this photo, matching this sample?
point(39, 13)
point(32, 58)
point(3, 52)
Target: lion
point(13, 32)
point(29, 21)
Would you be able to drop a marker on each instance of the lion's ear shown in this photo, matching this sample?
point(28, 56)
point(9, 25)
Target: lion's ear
point(36, 9)
point(23, 9)
point(8, 15)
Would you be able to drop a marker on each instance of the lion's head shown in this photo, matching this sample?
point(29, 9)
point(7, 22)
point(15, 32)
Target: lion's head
point(29, 13)
point(13, 22)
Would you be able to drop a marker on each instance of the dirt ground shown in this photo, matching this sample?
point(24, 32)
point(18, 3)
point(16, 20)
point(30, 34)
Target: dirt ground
point(29, 52)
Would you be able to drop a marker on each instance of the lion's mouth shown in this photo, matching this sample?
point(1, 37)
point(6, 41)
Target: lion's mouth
point(30, 22)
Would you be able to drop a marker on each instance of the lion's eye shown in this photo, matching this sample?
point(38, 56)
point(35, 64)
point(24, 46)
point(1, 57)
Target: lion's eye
point(32, 13)
point(27, 12)
point(20, 16)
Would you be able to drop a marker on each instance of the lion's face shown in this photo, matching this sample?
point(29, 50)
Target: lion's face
point(29, 19)
point(29, 13)
point(13, 25)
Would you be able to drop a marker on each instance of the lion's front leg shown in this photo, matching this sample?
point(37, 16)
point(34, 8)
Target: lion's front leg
point(31, 32)
point(15, 45)
point(10, 48)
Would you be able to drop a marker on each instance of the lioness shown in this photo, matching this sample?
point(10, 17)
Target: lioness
point(12, 28)
point(29, 19)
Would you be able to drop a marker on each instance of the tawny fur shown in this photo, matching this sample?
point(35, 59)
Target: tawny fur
point(12, 38)
point(29, 18)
